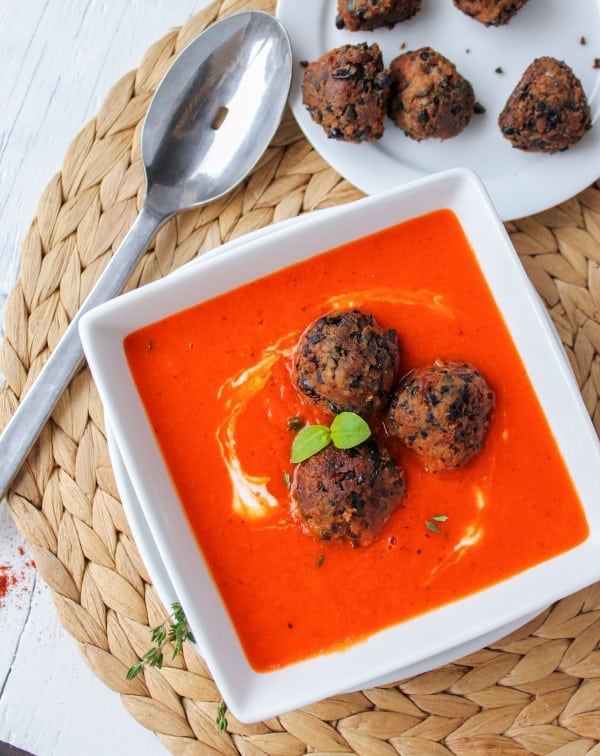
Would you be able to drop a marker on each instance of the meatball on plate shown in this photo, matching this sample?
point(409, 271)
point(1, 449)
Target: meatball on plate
point(490, 12)
point(345, 91)
point(365, 15)
point(548, 110)
point(346, 361)
point(428, 97)
point(442, 412)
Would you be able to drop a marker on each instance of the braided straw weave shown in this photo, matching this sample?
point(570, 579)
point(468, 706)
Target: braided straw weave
point(536, 691)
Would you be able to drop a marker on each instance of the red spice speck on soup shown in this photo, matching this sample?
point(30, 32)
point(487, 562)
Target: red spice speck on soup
point(217, 389)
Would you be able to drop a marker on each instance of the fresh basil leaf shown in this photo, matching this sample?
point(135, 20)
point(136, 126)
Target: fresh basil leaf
point(349, 429)
point(310, 440)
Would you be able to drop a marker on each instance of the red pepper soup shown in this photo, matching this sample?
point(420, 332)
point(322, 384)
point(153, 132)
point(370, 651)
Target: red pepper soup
point(216, 384)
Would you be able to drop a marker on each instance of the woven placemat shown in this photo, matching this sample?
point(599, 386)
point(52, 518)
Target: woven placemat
point(536, 691)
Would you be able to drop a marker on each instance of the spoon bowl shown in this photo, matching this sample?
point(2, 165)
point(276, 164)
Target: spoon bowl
point(216, 110)
point(210, 120)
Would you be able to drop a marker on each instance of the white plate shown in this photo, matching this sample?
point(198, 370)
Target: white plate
point(167, 594)
point(519, 183)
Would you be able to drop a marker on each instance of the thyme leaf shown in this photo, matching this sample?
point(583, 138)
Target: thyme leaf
point(431, 524)
point(295, 424)
point(221, 718)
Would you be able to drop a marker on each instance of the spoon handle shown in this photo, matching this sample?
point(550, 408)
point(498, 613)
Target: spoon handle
point(38, 403)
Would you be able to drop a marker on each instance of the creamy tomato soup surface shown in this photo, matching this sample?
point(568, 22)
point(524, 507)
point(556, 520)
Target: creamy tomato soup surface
point(216, 383)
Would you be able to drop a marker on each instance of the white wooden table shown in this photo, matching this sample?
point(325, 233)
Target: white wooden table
point(58, 59)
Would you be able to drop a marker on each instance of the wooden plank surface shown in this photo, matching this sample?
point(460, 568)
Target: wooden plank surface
point(58, 59)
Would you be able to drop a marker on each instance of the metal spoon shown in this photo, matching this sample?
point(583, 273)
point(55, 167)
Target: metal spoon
point(210, 120)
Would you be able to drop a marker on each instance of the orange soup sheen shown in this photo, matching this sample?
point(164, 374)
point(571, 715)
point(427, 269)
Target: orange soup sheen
point(216, 384)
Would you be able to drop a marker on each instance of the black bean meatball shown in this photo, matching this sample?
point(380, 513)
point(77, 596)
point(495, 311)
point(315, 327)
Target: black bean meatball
point(345, 92)
point(347, 494)
point(345, 361)
point(490, 12)
point(428, 97)
point(365, 15)
point(442, 413)
point(548, 110)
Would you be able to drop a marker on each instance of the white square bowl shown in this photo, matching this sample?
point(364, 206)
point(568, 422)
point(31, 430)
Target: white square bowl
point(251, 695)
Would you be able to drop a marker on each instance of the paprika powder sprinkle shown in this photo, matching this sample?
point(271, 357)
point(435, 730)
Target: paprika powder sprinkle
point(9, 578)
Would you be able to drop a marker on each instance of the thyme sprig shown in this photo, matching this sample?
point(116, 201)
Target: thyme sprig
point(174, 630)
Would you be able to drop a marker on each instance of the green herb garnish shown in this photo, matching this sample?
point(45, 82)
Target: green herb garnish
point(286, 479)
point(320, 559)
point(431, 524)
point(295, 424)
point(176, 632)
point(310, 440)
point(221, 718)
point(346, 431)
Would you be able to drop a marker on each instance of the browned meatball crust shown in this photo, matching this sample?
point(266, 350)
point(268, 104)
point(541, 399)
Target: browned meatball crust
point(548, 110)
point(345, 92)
point(490, 12)
point(345, 361)
point(365, 15)
point(428, 97)
point(347, 494)
point(442, 413)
